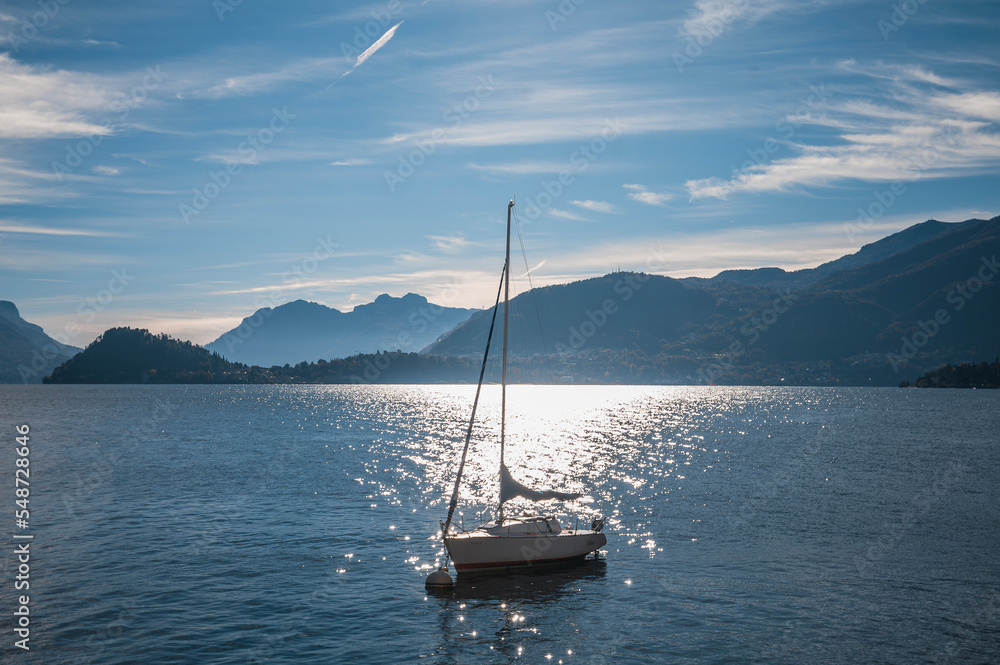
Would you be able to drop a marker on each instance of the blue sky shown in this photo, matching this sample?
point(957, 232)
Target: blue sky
point(178, 165)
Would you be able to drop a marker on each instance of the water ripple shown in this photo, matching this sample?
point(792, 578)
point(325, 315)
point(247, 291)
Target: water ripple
point(296, 524)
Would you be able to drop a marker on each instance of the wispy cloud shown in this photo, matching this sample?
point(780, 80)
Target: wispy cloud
point(983, 105)
point(282, 288)
point(449, 243)
point(411, 257)
point(519, 168)
point(351, 162)
point(456, 286)
point(548, 104)
point(596, 206)
point(705, 254)
point(21, 184)
point(523, 123)
point(565, 214)
point(922, 128)
point(38, 102)
point(708, 17)
point(258, 82)
point(95, 42)
point(371, 50)
point(27, 229)
point(57, 261)
point(641, 194)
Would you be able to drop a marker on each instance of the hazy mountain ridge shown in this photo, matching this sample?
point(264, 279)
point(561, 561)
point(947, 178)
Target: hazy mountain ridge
point(887, 308)
point(28, 353)
point(308, 331)
point(872, 253)
point(902, 309)
point(878, 305)
point(134, 355)
point(616, 310)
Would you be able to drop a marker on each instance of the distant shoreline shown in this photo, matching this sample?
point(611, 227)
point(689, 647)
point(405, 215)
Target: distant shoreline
point(135, 356)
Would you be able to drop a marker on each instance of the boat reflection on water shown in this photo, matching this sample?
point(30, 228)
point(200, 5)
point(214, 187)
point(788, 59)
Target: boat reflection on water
point(508, 617)
point(538, 584)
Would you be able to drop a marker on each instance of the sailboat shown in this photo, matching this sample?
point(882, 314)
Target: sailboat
point(510, 542)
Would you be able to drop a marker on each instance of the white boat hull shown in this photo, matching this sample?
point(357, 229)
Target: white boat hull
point(481, 549)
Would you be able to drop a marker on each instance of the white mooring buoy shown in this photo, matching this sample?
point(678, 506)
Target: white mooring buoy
point(439, 579)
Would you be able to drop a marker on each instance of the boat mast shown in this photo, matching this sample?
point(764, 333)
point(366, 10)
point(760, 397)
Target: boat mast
point(503, 371)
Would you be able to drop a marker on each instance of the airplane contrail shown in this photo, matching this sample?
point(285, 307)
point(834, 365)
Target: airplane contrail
point(379, 43)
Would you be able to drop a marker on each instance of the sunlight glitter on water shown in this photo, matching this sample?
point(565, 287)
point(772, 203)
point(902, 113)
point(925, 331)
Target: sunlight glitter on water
point(624, 448)
point(587, 439)
point(557, 437)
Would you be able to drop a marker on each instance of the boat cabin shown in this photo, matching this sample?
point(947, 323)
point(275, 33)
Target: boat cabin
point(529, 526)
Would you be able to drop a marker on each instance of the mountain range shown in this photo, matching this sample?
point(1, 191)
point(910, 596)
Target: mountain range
point(28, 354)
point(906, 303)
point(898, 307)
point(897, 243)
point(302, 331)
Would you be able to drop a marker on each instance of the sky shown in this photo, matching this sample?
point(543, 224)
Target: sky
point(178, 165)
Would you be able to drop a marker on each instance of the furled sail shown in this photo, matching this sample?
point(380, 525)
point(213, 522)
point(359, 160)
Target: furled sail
point(509, 488)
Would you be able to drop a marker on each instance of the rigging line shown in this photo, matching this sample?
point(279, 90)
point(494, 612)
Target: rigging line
point(534, 301)
point(522, 360)
point(519, 360)
point(475, 403)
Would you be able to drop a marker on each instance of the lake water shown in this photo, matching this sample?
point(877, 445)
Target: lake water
point(296, 524)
